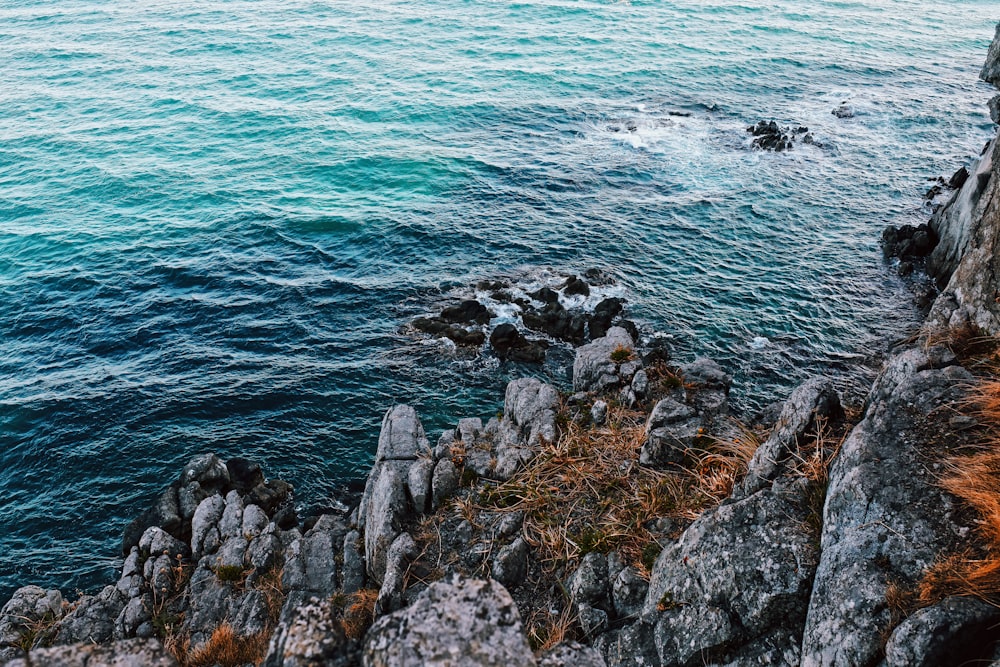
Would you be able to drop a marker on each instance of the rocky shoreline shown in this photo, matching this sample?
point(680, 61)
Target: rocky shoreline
point(632, 522)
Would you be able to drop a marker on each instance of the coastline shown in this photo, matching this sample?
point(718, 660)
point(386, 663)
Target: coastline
point(797, 591)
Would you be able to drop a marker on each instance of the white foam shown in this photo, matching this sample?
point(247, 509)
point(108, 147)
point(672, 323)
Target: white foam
point(759, 343)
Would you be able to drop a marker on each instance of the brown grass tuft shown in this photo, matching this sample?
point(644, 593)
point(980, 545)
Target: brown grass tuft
point(360, 613)
point(228, 649)
point(975, 480)
point(587, 492)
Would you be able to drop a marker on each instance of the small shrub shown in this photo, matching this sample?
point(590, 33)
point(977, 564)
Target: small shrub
point(621, 354)
point(650, 553)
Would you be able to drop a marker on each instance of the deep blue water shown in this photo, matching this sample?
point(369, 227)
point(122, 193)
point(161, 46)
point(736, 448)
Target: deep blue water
point(216, 216)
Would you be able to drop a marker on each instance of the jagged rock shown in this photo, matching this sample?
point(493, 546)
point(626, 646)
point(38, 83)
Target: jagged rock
point(672, 429)
point(593, 367)
point(136, 612)
point(640, 384)
point(885, 518)
point(354, 565)
point(231, 523)
point(991, 68)
point(390, 596)
point(740, 572)
point(264, 550)
point(310, 563)
point(604, 314)
point(469, 429)
point(708, 386)
point(628, 592)
point(243, 474)
point(593, 621)
point(510, 565)
point(508, 343)
point(309, 636)
point(459, 621)
point(843, 111)
point(254, 521)
point(956, 631)
point(994, 106)
point(531, 406)
point(589, 584)
point(208, 470)
point(129, 653)
point(445, 482)
point(418, 481)
point(93, 619)
point(251, 615)
point(466, 312)
point(385, 504)
point(272, 496)
point(28, 605)
point(205, 538)
point(599, 413)
point(509, 524)
point(165, 513)
point(571, 654)
point(814, 399)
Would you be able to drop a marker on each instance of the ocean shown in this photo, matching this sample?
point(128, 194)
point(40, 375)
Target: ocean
point(217, 217)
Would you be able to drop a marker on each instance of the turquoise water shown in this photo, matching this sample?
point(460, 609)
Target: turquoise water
point(216, 216)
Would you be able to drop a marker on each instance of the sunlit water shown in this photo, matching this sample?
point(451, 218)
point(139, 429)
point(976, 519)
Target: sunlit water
point(216, 216)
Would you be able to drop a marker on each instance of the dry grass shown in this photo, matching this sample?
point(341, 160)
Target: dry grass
point(228, 649)
point(360, 613)
point(547, 630)
point(587, 492)
point(975, 480)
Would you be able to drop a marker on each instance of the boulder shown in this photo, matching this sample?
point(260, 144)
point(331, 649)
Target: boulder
point(309, 634)
point(530, 405)
point(510, 565)
point(459, 621)
point(128, 653)
point(991, 68)
point(956, 631)
point(593, 367)
point(885, 519)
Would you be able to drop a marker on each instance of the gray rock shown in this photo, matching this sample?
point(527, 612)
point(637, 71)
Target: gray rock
point(28, 605)
point(251, 615)
point(640, 384)
point(402, 436)
point(93, 618)
point(593, 621)
point(994, 106)
point(531, 406)
point(672, 429)
point(445, 481)
point(418, 482)
point(599, 413)
point(740, 572)
point(709, 386)
point(130, 653)
point(309, 636)
point(354, 564)
point(593, 368)
point(469, 429)
point(130, 583)
point(232, 553)
point(390, 596)
point(571, 654)
point(589, 584)
point(386, 509)
point(264, 551)
point(205, 538)
point(956, 631)
point(310, 564)
point(231, 523)
point(206, 469)
point(885, 518)
point(509, 525)
point(210, 604)
point(814, 399)
point(188, 499)
point(156, 542)
point(136, 612)
point(159, 574)
point(480, 462)
point(991, 68)
point(461, 621)
point(254, 521)
point(165, 513)
point(510, 565)
point(629, 593)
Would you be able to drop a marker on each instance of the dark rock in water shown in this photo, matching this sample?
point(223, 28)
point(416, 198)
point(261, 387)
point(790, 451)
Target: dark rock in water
point(908, 243)
point(905, 269)
point(991, 68)
point(557, 322)
point(545, 295)
point(604, 314)
point(770, 136)
point(508, 343)
point(165, 513)
point(843, 111)
point(574, 285)
point(454, 332)
point(492, 285)
point(466, 312)
point(958, 179)
point(658, 350)
point(933, 192)
point(244, 474)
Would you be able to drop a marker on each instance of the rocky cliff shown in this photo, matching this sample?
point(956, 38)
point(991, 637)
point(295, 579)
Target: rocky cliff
point(633, 522)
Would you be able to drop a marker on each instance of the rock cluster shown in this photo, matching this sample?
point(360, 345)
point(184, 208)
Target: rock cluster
point(769, 136)
point(547, 314)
